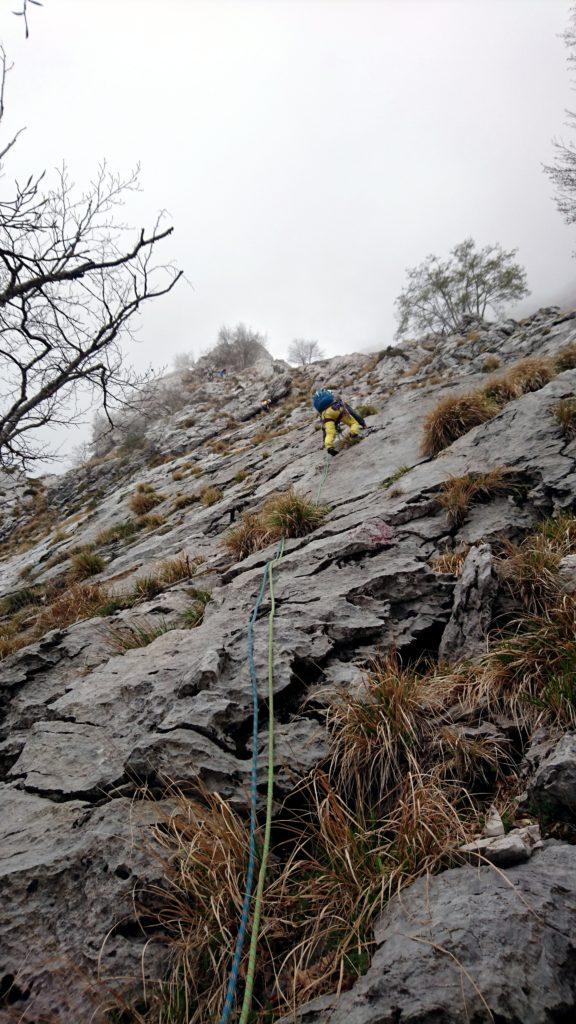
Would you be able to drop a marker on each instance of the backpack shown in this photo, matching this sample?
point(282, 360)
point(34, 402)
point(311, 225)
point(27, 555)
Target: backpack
point(322, 399)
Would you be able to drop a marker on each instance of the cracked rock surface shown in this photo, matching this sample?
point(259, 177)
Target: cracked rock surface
point(85, 727)
point(472, 944)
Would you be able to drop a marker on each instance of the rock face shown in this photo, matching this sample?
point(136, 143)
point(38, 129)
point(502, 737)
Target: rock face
point(471, 944)
point(85, 727)
point(552, 787)
point(465, 633)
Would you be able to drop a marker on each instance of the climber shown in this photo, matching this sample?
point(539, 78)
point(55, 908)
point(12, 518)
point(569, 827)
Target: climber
point(335, 414)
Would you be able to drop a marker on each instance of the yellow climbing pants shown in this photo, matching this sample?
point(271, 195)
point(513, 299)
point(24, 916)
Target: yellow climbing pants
point(331, 419)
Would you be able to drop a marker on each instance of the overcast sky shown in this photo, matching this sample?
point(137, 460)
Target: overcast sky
point(306, 152)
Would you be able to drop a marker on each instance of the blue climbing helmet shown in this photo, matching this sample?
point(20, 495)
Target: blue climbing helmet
point(322, 399)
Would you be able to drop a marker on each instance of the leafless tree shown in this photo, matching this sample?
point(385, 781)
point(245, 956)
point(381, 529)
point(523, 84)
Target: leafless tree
point(237, 348)
point(71, 285)
point(23, 13)
point(158, 400)
point(183, 362)
point(563, 171)
point(304, 352)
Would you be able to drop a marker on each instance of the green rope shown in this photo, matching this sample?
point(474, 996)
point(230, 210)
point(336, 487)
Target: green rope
point(247, 1002)
point(325, 471)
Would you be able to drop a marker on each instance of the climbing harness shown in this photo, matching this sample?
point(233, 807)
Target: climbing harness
point(267, 578)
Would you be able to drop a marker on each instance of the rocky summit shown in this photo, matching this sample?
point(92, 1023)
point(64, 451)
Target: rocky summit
point(126, 688)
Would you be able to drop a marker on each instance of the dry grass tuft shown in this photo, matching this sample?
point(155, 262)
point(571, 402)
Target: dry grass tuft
point(457, 414)
point(249, 536)
point(85, 564)
point(499, 391)
point(534, 668)
point(210, 495)
point(459, 493)
point(292, 515)
point(490, 364)
point(531, 567)
point(185, 500)
point(182, 567)
point(530, 374)
point(120, 531)
point(285, 515)
point(173, 570)
point(128, 637)
point(144, 500)
point(531, 667)
point(453, 417)
point(565, 358)
point(319, 904)
point(450, 562)
point(205, 847)
point(565, 413)
point(375, 735)
point(218, 447)
point(194, 615)
point(80, 601)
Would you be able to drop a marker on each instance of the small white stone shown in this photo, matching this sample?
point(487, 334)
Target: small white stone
point(493, 826)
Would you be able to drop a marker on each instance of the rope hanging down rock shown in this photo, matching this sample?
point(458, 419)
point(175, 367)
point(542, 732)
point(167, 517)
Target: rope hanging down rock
point(247, 1002)
point(267, 577)
point(233, 979)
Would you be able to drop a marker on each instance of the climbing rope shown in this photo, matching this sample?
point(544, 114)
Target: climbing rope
point(267, 577)
point(325, 471)
point(233, 979)
point(247, 1002)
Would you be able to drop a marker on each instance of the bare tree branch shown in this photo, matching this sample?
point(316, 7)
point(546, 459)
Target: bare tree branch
point(23, 13)
point(71, 287)
point(304, 352)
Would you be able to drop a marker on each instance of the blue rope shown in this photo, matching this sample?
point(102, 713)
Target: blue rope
point(242, 929)
point(234, 970)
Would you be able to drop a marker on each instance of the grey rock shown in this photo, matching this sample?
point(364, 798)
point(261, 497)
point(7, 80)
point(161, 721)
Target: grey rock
point(552, 787)
point(505, 850)
point(493, 826)
point(474, 594)
point(68, 873)
point(183, 759)
point(471, 944)
point(82, 729)
point(301, 744)
point(567, 573)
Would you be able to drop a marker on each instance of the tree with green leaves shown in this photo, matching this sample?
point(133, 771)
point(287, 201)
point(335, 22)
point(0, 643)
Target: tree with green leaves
point(442, 295)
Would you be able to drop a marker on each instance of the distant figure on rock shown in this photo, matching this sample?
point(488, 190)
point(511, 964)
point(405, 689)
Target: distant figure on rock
point(335, 414)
